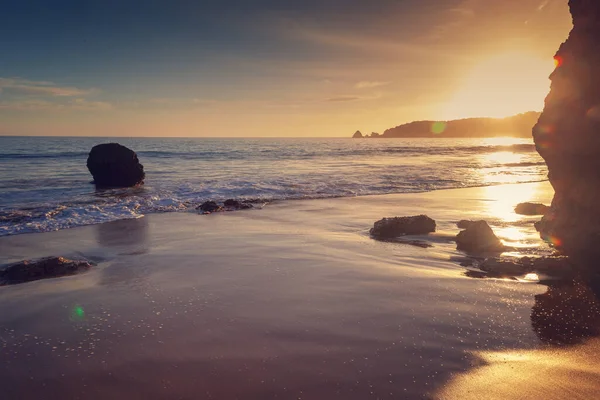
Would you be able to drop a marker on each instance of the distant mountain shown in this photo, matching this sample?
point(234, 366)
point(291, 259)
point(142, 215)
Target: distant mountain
point(519, 125)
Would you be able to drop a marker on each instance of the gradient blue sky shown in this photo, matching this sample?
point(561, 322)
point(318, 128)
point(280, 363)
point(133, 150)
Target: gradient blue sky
point(269, 68)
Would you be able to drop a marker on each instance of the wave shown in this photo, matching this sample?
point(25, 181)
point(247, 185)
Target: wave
point(68, 154)
point(526, 164)
point(286, 154)
point(130, 203)
point(514, 148)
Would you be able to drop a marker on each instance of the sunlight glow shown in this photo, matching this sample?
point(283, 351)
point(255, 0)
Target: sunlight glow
point(503, 157)
point(501, 141)
point(532, 277)
point(503, 200)
point(501, 86)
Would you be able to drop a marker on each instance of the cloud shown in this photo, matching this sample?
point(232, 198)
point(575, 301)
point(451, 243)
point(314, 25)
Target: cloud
point(370, 84)
point(45, 105)
point(26, 105)
point(17, 86)
point(457, 16)
point(346, 98)
point(179, 102)
point(83, 104)
point(465, 12)
point(27, 95)
point(338, 99)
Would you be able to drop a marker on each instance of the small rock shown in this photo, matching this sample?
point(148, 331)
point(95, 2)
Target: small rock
point(553, 267)
point(33, 270)
point(209, 206)
point(464, 224)
point(531, 209)
point(478, 237)
point(505, 267)
point(558, 267)
point(398, 226)
point(237, 205)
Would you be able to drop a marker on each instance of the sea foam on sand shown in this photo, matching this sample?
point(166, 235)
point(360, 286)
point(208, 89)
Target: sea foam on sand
point(291, 301)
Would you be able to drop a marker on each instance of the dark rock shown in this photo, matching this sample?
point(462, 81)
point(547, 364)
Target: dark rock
point(388, 228)
point(567, 136)
point(237, 205)
point(553, 267)
point(33, 270)
point(113, 165)
point(209, 206)
point(531, 209)
point(357, 135)
point(499, 267)
point(557, 267)
point(478, 237)
point(464, 224)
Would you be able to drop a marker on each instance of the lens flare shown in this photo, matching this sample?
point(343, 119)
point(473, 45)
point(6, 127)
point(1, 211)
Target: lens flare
point(556, 242)
point(438, 127)
point(558, 61)
point(77, 313)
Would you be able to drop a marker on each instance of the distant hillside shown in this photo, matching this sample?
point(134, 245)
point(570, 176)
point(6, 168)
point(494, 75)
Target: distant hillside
point(519, 125)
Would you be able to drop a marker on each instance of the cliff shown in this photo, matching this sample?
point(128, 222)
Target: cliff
point(567, 136)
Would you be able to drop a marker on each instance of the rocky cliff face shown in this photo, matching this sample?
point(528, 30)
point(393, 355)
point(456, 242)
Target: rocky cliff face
point(567, 136)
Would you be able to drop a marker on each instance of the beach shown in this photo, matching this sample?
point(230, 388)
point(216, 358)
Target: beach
point(293, 300)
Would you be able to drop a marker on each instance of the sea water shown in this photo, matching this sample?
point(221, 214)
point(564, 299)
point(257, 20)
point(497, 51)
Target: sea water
point(45, 184)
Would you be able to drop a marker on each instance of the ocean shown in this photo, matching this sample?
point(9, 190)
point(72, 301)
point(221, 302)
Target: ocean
point(45, 184)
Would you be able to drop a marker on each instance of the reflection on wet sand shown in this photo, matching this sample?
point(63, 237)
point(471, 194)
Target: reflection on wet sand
point(567, 314)
point(129, 237)
point(123, 233)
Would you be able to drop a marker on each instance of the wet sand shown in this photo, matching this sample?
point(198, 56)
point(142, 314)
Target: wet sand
point(291, 301)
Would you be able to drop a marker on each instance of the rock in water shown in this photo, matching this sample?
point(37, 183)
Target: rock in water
point(479, 238)
point(232, 204)
point(389, 228)
point(531, 209)
point(357, 135)
point(113, 165)
point(464, 224)
point(50, 267)
point(567, 136)
point(209, 207)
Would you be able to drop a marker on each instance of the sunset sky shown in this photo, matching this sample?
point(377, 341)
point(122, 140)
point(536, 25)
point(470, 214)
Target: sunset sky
point(269, 68)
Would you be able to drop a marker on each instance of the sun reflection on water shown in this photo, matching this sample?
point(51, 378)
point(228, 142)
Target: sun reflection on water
point(503, 157)
point(501, 141)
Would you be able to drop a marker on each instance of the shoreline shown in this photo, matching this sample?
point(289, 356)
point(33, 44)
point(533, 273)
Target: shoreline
point(293, 301)
point(267, 202)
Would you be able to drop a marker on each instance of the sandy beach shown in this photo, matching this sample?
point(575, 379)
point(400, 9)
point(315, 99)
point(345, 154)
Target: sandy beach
point(292, 301)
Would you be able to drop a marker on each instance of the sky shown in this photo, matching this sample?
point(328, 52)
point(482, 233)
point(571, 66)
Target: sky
point(252, 68)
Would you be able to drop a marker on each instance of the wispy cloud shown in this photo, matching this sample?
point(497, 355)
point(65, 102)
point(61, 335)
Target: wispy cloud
point(346, 98)
point(83, 104)
point(19, 86)
point(27, 95)
point(45, 105)
point(370, 84)
point(456, 17)
point(338, 99)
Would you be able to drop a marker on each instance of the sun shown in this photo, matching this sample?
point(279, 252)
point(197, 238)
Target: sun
point(500, 86)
